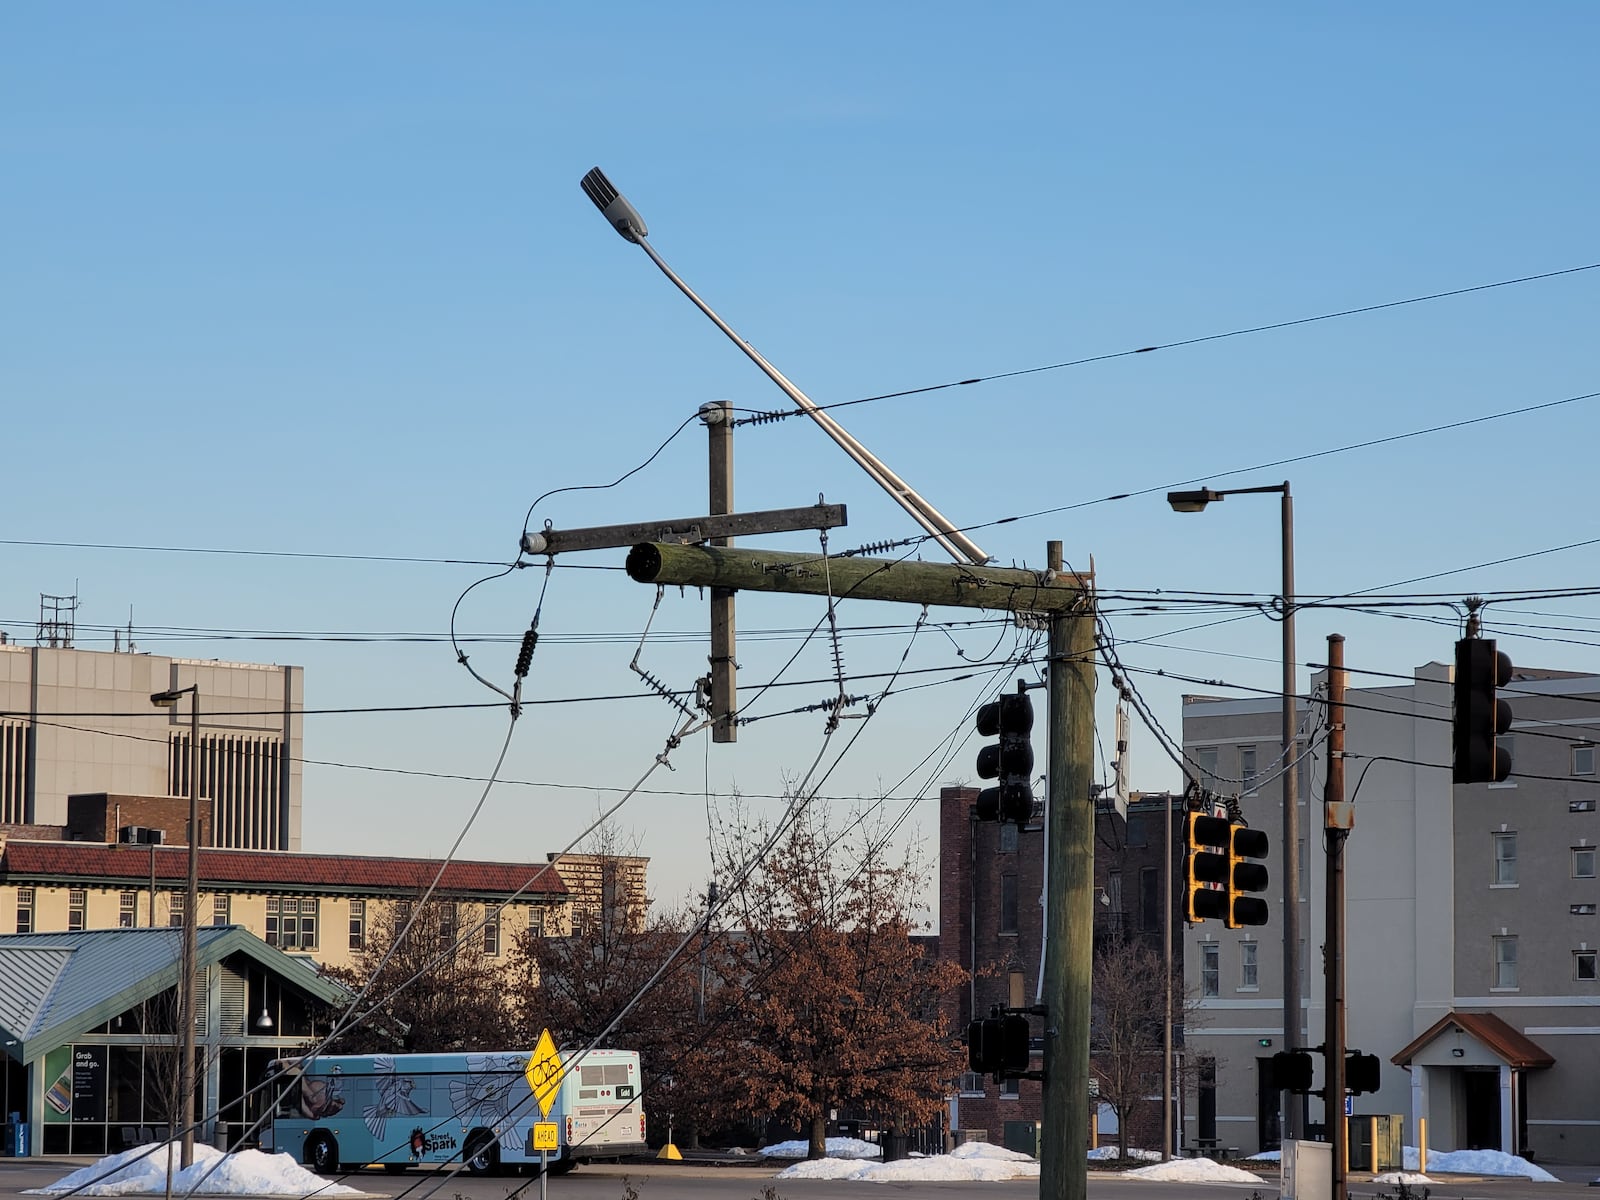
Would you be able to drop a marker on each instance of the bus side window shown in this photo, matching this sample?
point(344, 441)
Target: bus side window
point(289, 1100)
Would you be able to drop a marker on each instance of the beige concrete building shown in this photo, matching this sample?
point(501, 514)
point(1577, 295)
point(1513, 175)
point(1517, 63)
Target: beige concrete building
point(81, 721)
point(1471, 917)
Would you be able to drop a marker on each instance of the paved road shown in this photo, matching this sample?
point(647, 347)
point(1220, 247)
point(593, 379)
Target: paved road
point(651, 1181)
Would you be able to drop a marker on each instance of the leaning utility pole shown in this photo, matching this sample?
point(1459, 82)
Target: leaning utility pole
point(1067, 602)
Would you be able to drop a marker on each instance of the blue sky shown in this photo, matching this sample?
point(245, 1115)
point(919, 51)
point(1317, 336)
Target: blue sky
point(322, 281)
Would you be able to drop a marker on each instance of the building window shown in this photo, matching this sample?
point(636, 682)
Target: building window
point(1149, 898)
point(1008, 838)
point(1505, 963)
point(358, 924)
point(1583, 965)
point(447, 925)
point(128, 915)
point(24, 910)
point(1008, 904)
point(1247, 769)
point(1505, 860)
point(1583, 758)
point(1247, 967)
point(1583, 862)
point(222, 910)
point(536, 922)
point(77, 908)
point(1010, 1089)
point(491, 933)
point(1210, 970)
point(291, 922)
point(1205, 757)
point(972, 1083)
point(175, 908)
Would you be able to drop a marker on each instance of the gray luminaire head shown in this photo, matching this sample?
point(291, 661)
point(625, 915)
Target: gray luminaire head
point(624, 218)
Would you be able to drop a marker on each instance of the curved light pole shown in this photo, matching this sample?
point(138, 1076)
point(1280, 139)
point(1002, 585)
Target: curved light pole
point(187, 1005)
point(1196, 501)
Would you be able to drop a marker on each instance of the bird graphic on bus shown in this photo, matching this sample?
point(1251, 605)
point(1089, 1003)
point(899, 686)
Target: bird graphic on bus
point(484, 1096)
point(394, 1096)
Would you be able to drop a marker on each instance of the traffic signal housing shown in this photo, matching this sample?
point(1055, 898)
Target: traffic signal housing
point(1360, 1072)
point(999, 1045)
point(1205, 868)
point(1480, 717)
point(1218, 877)
point(1291, 1071)
point(1246, 877)
point(1008, 761)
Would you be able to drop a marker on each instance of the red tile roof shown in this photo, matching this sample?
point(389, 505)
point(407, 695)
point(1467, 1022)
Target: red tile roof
point(262, 870)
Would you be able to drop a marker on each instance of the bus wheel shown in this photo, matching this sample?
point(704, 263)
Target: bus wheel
point(322, 1153)
point(483, 1153)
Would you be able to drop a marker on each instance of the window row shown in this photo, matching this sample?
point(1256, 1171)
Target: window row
point(1503, 871)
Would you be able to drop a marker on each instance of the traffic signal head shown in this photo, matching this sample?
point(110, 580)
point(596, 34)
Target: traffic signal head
point(1480, 718)
point(1360, 1072)
point(1014, 1048)
point(1245, 877)
point(998, 1045)
point(982, 1057)
point(1010, 760)
point(1205, 863)
point(1291, 1071)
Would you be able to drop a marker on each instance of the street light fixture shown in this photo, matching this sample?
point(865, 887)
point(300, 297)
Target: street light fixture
point(1196, 501)
point(187, 1000)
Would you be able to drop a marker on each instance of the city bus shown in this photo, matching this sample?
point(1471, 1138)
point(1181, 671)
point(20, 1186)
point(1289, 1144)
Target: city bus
point(402, 1110)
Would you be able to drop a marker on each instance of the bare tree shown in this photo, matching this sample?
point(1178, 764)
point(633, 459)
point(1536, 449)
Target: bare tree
point(1126, 1043)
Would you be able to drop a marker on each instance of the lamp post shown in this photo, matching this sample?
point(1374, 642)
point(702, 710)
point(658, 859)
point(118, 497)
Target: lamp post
point(186, 992)
point(1196, 501)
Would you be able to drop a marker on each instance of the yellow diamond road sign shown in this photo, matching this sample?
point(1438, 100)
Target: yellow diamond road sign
point(544, 1072)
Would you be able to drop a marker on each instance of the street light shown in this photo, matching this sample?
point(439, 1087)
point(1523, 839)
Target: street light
point(187, 1003)
point(1196, 501)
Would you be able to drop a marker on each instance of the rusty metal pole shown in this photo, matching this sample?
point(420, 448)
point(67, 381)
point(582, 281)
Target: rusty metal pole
point(1337, 821)
point(718, 418)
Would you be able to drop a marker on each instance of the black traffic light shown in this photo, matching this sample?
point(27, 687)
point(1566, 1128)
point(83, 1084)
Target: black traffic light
point(1360, 1072)
point(1480, 718)
point(998, 1045)
point(1291, 1071)
point(1245, 877)
point(1205, 868)
point(1009, 761)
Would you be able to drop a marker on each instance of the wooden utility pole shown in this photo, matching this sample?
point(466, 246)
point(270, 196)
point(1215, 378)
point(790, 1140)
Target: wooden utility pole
point(1069, 901)
point(1069, 896)
point(718, 418)
point(1337, 820)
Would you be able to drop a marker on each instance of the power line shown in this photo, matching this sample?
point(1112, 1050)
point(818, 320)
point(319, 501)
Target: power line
point(1193, 341)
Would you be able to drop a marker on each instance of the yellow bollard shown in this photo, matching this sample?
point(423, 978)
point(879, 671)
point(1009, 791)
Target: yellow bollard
point(1422, 1145)
point(669, 1151)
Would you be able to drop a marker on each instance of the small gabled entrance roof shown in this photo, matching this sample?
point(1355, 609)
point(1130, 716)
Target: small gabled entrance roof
point(1511, 1047)
point(56, 986)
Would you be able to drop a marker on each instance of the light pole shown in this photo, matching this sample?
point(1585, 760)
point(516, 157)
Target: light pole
point(186, 969)
point(1196, 501)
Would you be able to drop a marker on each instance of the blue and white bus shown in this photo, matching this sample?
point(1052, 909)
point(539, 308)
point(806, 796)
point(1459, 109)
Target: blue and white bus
point(401, 1110)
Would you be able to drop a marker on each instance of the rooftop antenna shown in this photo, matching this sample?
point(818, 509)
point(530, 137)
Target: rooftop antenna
point(625, 219)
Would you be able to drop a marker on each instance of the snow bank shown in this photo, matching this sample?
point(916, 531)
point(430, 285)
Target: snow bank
point(1478, 1162)
point(975, 1162)
point(142, 1171)
point(834, 1147)
point(1409, 1178)
point(1109, 1153)
point(1193, 1170)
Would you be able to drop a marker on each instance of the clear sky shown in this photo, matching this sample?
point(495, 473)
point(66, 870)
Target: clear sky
point(319, 280)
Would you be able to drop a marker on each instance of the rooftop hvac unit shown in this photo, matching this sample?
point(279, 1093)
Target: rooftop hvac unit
point(152, 837)
point(132, 833)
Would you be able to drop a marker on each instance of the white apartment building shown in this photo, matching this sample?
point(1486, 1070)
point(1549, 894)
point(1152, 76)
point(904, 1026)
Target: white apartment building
point(1471, 927)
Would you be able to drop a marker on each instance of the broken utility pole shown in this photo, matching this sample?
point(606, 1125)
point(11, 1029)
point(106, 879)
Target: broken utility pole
point(1067, 601)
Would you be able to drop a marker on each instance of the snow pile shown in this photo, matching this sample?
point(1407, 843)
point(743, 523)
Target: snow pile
point(1409, 1178)
point(975, 1162)
point(1478, 1162)
point(143, 1171)
point(1266, 1156)
point(834, 1147)
point(1193, 1170)
point(1109, 1154)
